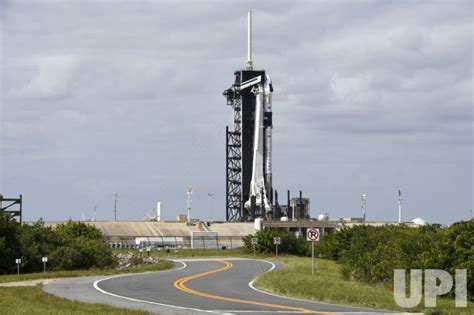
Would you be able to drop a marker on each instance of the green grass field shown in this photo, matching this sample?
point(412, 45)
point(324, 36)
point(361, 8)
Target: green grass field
point(162, 265)
point(33, 300)
point(328, 285)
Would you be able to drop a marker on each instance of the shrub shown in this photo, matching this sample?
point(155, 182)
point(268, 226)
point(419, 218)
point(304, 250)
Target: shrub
point(371, 253)
point(290, 244)
point(71, 245)
point(10, 246)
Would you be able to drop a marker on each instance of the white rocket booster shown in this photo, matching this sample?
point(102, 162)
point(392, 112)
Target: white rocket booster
point(262, 147)
point(267, 93)
point(262, 158)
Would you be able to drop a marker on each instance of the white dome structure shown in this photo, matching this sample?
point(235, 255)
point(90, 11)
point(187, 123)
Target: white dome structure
point(323, 217)
point(419, 221)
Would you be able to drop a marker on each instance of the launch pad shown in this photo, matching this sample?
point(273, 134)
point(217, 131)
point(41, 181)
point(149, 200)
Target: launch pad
point(249, 187)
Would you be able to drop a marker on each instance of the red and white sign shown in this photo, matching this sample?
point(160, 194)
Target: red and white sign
point(312, 234)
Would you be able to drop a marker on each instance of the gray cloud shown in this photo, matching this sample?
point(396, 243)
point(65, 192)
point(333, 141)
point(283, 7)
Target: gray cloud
point(104, 96)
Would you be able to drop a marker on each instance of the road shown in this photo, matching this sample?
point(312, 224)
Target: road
point(194, 287)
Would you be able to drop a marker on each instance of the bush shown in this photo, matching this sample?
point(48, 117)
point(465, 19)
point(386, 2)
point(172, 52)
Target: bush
point(371, 253)
point(374, 252)
point(80, 247)
point(71, 245)
point(290, 244)
point(10, 246)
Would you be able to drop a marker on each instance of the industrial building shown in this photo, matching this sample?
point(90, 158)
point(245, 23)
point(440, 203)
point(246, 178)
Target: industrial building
point(215, 235)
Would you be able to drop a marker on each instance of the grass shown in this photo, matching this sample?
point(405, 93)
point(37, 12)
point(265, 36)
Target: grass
point(328, 285)
point(161, 265)
point(33, 300)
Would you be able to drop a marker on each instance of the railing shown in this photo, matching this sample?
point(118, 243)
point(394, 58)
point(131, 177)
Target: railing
point(196, 242)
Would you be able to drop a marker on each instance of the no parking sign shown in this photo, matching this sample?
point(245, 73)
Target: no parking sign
point(312, 234)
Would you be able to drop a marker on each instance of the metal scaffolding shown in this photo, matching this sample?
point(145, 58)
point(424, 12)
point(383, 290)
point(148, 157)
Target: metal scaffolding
point(8, 205)
point(234, 162)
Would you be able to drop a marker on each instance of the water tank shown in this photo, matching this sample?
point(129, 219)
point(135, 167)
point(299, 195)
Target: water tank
point(323, 217)
point(158, 211)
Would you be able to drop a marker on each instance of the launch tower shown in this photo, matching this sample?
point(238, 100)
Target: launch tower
point(249, 192)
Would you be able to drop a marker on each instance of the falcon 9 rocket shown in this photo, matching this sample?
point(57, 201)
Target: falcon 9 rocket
point(249, 146)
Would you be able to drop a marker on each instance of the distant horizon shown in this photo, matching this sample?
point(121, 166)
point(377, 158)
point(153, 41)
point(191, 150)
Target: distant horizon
point(249, 222)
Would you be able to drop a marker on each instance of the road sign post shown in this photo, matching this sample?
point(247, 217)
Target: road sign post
point(148, 250)
point(254, 242)
point(276, 242)
point(18, 262)
point(45, 260)
point(312, 235)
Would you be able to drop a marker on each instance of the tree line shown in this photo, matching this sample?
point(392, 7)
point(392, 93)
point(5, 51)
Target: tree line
point(68, 246)
point(371, 253)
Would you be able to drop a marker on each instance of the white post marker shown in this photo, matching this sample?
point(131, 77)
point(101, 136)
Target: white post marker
point(45, 260)
point(276, 242)
point(148, 250)
point(312, 235)
point(254, 242)
point(18, 262)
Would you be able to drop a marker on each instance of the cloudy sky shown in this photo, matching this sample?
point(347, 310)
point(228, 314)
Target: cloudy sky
point(126, 96)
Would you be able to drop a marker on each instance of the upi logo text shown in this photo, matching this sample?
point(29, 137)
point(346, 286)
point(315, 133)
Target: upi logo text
point(437, 282)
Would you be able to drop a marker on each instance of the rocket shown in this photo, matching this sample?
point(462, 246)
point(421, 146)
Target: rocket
point(268, 127)
point(262, 146)
point(261, 87)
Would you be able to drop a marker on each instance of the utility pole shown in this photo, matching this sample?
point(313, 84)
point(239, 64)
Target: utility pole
point(189, 192)
point(363, 200)
point(210, 197)
point(115, 206)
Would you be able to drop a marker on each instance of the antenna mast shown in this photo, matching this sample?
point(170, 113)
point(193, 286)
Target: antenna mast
point(115, 206)
point(249, 41)
point(363, 200)
point(399, 206)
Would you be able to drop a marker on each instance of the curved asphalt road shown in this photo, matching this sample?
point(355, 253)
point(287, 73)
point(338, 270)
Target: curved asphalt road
point(194, 287)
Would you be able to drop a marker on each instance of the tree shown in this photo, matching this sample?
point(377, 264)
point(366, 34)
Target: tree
point(10, 246)
point(290, 244)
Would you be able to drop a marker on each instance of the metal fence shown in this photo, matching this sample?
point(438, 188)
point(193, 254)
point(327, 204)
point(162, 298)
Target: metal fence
point(186, 242)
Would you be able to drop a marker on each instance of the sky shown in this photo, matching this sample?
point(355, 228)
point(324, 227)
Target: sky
point(99, 97)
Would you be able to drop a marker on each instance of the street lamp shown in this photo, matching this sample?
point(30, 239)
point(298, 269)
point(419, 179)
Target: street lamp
point(210, 197)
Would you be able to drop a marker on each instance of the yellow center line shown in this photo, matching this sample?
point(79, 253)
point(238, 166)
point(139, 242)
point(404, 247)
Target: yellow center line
point(180, 284)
